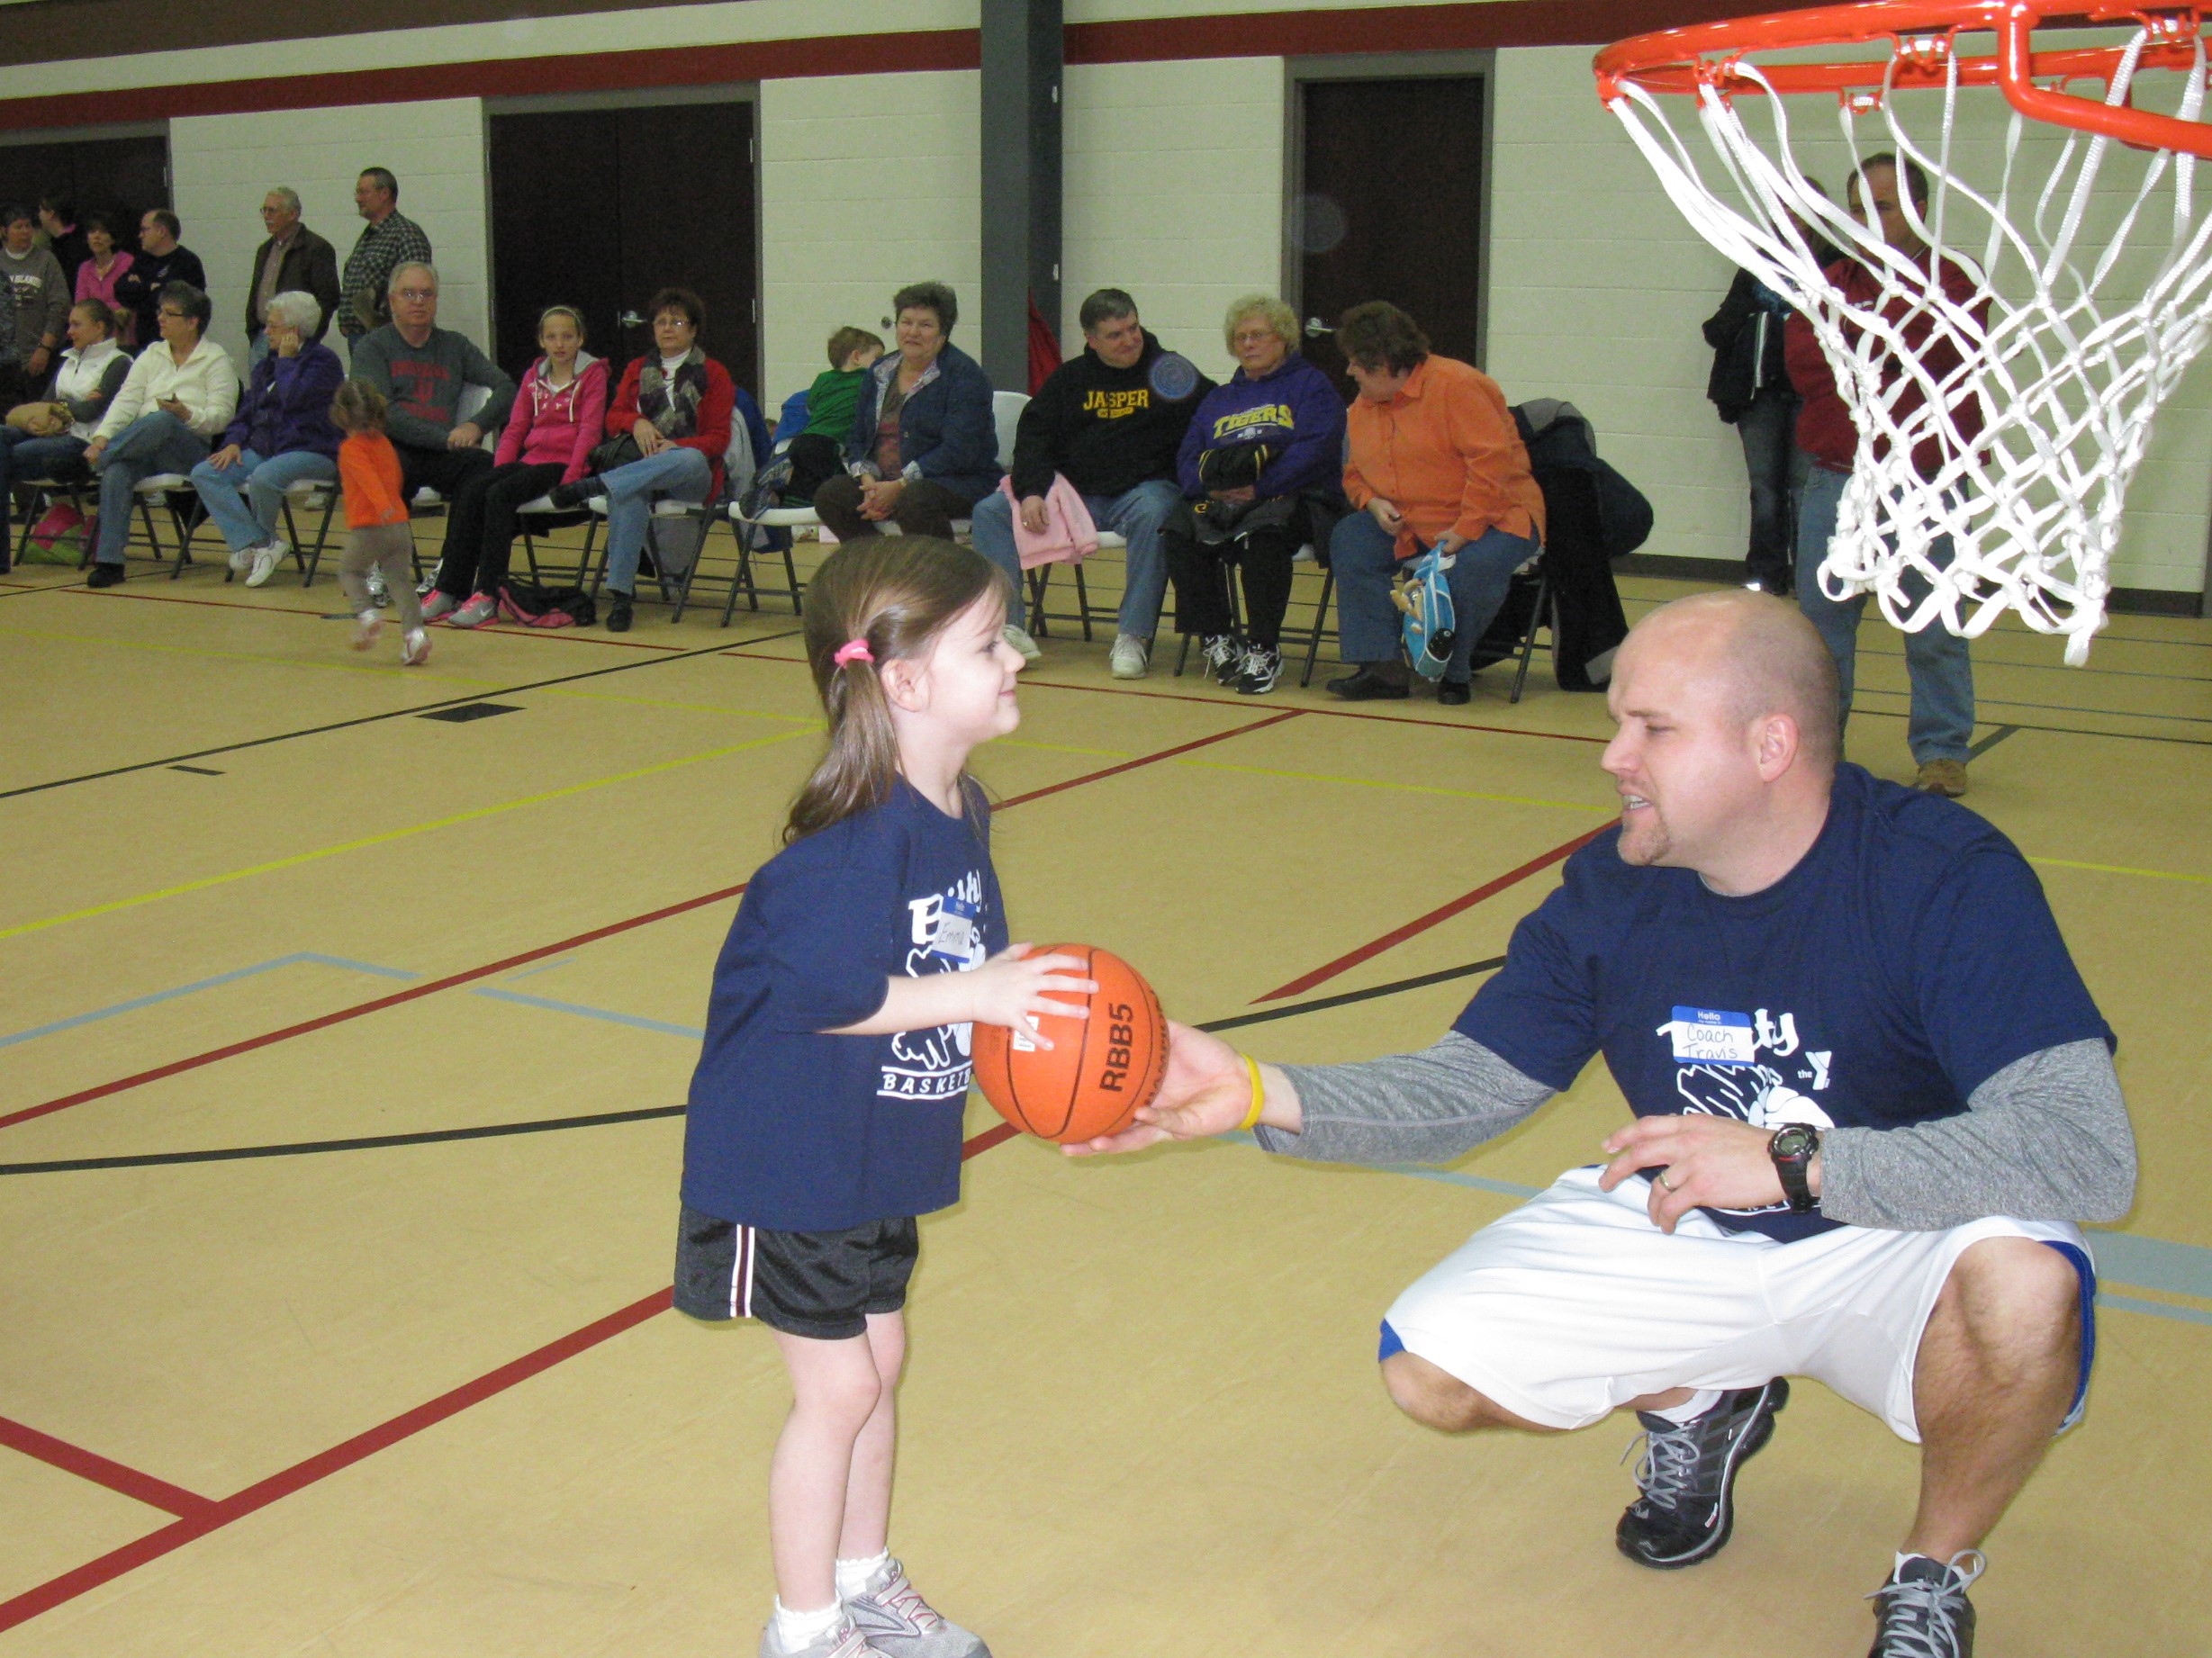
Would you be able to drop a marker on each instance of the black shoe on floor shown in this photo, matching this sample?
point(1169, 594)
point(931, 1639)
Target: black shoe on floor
point(1453, 693)
point(618, 613)
point(569, 496)
point(1923, 1612)
point(1368, 686)
point(1688, 1476)
point(104, 575)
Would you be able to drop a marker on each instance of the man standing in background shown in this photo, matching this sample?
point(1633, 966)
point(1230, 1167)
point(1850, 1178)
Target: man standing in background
point(162, 260)
point(294, 260)
point(390, 240)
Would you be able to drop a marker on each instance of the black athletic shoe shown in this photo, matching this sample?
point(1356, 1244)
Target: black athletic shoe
point(617, 612)
point(1368, 686)
point(104, 575)
point(1224, 657)
point(568, 496)
point(1688, 1476)
point(1257, 670)
point(1923, 1612)
point(1453, 693)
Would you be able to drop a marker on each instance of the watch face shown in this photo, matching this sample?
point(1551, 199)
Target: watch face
point(1795, 1141)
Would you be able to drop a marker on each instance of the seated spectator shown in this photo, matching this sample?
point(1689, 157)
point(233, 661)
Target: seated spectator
point(85, 381)
point(293, 256)
point(422, 369)
point(923, 448)
point(281, 435)
point(817, 452)
point(1256, 453)
point(42, 296)
point(178, 396)
point(1435, 461)
point(559, 416)
point(669, 429)
point(63, 236)
point(1109, 422)
point(104, 265)
point(161, 260)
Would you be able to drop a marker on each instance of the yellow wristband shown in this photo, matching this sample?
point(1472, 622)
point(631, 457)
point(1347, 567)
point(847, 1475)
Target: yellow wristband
point(1260, 1095)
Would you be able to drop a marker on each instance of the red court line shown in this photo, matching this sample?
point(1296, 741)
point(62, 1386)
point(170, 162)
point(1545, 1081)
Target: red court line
point(214, 1516)
point(1398, 935)
point(562, 635)
point(414, 992)
point(91, 1466)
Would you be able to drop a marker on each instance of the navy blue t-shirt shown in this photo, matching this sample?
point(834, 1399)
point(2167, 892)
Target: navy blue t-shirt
point(1907, 957)
point(797, 1132)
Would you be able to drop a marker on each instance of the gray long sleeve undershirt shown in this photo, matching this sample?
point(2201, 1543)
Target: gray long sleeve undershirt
point(2045, 1138)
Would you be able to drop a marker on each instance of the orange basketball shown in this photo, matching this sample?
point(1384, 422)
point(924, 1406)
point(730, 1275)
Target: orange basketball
point(1098, 1071)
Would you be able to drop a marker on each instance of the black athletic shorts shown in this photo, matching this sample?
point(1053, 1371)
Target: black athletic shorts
point(822, 1285)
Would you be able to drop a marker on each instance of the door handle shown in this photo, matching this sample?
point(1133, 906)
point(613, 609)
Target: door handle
point(1315, 327)
point(631, 320)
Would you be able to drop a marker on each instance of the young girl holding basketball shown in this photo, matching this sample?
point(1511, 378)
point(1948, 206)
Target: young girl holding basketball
point(826, 1113)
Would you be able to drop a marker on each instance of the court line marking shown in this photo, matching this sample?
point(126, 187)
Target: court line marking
point(156, 1494)
point(469, 976)
point(1979, 749)
point(716, 649)
point(2061, 708)
point(330, 664)
point(232, 977)
point(566, 635)
point(475, 815)
point(1442, 913)
point(2118, 868)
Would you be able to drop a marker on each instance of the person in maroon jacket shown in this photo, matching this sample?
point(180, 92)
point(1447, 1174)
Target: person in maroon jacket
point(674, 404)
point(1940, 731)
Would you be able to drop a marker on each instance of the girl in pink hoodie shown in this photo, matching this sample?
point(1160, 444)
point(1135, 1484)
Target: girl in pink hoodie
point(559, 415)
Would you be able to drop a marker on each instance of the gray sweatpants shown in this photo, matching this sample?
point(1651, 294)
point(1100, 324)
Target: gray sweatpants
point(388, 548)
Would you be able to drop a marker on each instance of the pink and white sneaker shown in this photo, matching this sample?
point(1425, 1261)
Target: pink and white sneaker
point(480, 608)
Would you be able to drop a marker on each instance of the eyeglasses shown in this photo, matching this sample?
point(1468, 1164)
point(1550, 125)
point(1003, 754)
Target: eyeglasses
point(414, 295)
point(176, 316)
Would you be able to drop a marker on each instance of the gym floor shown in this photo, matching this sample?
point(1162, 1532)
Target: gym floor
point(348, 1014)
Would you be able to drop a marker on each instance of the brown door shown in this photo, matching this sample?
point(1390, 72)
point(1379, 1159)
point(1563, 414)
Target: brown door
point(599, 208)
point(1390, 206)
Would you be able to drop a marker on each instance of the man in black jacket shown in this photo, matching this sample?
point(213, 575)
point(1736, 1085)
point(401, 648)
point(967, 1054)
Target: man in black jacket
point(294, 260)
point(1110, 422)
point(161, 260)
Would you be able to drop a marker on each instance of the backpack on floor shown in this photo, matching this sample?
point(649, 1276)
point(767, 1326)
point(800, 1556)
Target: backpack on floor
point(547, 606)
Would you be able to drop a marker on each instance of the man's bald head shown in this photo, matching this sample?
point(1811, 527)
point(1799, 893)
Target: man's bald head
point(1768, 656)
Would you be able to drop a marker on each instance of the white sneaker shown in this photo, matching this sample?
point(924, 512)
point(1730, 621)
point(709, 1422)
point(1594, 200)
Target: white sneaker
point(894, 1617)
point(1132, 655)
point(265, 563)
point(242, 560)
point(414, 647)
point(1018, 637)
point(365, 627)
point(379, 595)
point(843, 1641)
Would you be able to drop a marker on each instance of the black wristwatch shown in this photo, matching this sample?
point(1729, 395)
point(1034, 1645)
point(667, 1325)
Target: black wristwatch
point(1794, 1149)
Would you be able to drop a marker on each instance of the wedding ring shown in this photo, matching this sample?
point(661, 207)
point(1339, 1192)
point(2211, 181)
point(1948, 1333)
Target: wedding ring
point(1665, 1181)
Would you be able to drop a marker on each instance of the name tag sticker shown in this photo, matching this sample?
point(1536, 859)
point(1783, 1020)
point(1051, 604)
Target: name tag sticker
point(1707, 1036)
point(957, 932)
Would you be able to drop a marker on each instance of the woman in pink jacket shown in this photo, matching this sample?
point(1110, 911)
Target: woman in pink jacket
point(559, 415)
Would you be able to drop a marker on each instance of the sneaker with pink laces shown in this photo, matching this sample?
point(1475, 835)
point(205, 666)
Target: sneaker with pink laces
point(438, 603)
point(480, 608)
point(890, 1612)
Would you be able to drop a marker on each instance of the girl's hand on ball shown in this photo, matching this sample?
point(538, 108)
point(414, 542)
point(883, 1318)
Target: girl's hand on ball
point(1012, 990)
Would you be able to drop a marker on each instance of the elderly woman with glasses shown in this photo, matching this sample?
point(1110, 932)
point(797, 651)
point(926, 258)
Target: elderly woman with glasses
point(179, 395)
point(281, 435)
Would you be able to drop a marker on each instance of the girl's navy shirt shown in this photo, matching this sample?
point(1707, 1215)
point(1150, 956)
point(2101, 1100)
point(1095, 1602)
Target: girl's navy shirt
point(795, 1130)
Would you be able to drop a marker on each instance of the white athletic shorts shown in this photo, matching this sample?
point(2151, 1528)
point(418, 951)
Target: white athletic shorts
point(1576, 1303)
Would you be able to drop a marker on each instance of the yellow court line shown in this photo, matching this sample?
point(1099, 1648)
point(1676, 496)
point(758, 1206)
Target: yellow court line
point(2121, 869)
point(687, 708)
point(389, 836)
point(436, 677)
point(1414, 789)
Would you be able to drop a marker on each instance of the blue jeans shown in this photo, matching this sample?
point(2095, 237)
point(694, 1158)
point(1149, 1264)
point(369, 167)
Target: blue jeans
point(682, 474)
point(1134, 514)
point(1942, 674)
point(21, 456)
point(155, 442)
point(1770, 454)
point(250, 521)
point(1364, 556)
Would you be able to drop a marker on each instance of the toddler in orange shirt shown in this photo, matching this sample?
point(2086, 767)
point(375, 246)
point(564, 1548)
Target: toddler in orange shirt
point(377, 537)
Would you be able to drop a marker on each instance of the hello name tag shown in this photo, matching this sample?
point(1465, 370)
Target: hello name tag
point(1707, 1036)
point(956, 934)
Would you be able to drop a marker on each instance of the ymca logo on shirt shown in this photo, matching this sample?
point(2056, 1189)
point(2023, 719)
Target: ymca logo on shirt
point(1731, 1064)
point(944, 936)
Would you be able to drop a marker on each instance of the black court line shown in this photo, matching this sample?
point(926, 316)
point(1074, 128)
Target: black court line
point(1990, 742)
point(2053, 707)
point(380, 1142)
point(370, 719)
point(198, 770)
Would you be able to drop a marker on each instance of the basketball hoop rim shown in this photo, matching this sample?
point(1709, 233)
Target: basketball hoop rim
point(1923, 34)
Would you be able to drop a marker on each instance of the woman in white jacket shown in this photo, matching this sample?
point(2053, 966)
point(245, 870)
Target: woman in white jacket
point(179, 397)
point(85, 381)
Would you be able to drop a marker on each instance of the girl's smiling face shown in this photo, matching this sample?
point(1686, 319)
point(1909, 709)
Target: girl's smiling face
point(967, 680)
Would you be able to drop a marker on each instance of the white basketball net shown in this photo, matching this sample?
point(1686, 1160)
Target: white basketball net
point(2081, 347)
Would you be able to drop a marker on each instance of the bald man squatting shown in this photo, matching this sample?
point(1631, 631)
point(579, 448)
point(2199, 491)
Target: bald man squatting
point(1873, 1100)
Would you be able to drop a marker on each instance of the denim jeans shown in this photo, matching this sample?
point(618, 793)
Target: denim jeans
point(1364, 556)
point(1942, 724)
point(682, 474)
point(250, 520)
point(154, 443)
point(1134, 514)
point(1767, 429)
point(21, 456)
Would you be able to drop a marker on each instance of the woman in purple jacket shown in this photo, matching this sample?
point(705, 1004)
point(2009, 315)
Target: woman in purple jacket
point(282, 435)
point(1262, 450)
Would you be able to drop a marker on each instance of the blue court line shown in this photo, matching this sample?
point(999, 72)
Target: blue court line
point(660, 1026)
point(307, 957)
point(543, 967)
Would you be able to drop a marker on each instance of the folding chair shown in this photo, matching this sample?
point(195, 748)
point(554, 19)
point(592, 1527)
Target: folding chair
point(737, 476)
point(311, 493)
point(168, 485)
point(46, 494)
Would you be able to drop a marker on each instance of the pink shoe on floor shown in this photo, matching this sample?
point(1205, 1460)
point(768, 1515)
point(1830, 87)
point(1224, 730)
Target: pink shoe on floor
point(481, 608)
point(436, 604)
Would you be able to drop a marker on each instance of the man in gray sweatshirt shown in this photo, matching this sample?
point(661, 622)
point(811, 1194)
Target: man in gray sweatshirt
point(424, 371)
point(41, 294)
point(1872, 1099)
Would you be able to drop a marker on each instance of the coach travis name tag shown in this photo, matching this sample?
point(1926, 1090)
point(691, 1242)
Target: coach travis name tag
point(1708, 1036)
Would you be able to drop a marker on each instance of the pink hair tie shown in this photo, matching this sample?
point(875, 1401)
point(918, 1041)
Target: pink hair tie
point(853, 651)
